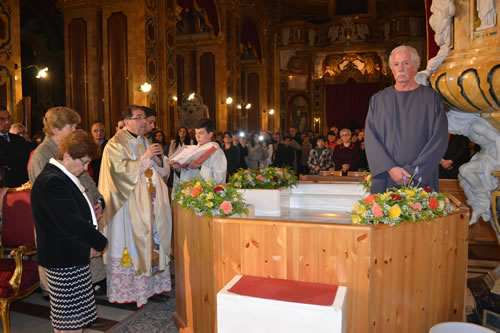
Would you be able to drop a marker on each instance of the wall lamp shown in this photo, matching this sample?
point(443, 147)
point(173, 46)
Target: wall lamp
point(172, 99)
point(42, 72)
point(229, 100)
point(145, 87)
point(271, 112)
point(244, 106)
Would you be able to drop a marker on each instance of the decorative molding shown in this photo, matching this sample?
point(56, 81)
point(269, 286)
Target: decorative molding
point(5, 38)
point(349, 30)
point(81, 3)
point(6, 79)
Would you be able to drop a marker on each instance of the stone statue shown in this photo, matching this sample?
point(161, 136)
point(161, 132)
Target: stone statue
point(333, 33)
point(476, 176)
point(312, 37)
point(487, 12)
point(192, 110)
point(285, 56)
point(285, 36)
point(318, 64)
point(440, 22)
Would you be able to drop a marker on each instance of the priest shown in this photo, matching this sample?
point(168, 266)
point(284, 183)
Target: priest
point(406, 127)
point(137, 220)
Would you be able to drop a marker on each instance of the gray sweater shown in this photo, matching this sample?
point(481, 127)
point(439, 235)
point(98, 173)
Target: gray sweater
point(41, 156)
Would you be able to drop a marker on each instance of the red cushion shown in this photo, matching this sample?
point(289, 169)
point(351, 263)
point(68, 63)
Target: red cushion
point(29, 278)
point(285, 290)
point(17, 220)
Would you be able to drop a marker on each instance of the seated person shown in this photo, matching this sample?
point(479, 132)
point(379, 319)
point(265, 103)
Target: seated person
point(215, 166)
point(320, 158)
point(346, 155)
point(332, 140)
point(456, 155)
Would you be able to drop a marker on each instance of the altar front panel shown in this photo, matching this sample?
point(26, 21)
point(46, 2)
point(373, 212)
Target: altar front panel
point(399, 279)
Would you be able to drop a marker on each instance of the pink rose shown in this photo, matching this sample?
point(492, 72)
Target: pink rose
point(187, 191)
point(246, 172)
point(259, 177)
point(226, 207)
point(377, 210)
point(416, 207)
point(288, 176)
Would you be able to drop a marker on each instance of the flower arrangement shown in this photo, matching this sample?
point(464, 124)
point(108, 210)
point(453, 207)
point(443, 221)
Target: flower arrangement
point(409, 203)
point(265, 178)
point(207, 198)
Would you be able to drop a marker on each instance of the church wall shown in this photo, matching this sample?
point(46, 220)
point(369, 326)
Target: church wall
point(112, 48)
point(10, 60)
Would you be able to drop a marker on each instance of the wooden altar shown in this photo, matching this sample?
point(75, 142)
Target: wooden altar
point(399, 279)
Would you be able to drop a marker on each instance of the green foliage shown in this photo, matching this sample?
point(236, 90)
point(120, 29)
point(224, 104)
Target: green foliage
point(266, 178)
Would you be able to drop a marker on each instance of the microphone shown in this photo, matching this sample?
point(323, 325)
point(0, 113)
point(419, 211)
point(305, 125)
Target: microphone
point(159, 155)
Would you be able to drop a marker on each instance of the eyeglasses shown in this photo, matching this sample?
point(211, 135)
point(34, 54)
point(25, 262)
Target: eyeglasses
point(85, 163)
point(138, 118)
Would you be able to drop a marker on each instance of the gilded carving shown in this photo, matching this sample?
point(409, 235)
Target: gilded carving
point(362, 67)
point(474, 90)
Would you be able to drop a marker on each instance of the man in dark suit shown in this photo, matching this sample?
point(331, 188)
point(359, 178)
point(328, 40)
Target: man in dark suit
point(14, 153)
point(456, 155)
point(98, 133)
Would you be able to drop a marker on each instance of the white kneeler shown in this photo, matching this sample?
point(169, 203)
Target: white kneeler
point(241, 313)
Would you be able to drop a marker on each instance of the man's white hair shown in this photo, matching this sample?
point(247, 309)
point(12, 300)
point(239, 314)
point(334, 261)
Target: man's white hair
point(415, 58)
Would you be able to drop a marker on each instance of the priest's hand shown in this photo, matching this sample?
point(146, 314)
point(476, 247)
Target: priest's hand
point(398, 175)
point(154, 150)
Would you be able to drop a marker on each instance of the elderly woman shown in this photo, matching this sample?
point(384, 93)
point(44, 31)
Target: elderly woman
point(58, 123)
point(346, 155)
point(66, 233)
point(320, 158)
